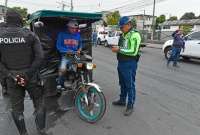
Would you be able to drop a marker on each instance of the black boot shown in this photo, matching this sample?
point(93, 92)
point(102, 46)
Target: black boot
point(129, 110)
point(119, 103)
point(40, 121)
point(20, 123)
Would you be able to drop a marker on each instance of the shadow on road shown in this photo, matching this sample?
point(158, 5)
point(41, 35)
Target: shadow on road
point(192, 61)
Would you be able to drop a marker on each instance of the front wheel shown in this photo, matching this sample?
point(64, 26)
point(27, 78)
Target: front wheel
point(168, 52)
point(90, 105)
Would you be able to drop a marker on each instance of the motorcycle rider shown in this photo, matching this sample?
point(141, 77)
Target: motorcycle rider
point(68, 42)
point(20, 58)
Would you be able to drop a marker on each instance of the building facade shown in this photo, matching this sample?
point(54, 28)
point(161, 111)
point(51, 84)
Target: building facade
point(2, 13)
point(174, 25)
point(143, 22)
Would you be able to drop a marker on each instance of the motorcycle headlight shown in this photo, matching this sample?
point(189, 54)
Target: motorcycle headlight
point(90, 66)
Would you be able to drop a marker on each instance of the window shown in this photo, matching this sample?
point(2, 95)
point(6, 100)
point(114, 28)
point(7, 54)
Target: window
point(195, 36)
point(166, 27)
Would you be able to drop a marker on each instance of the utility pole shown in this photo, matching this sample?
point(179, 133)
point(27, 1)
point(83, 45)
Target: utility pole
point(63, 5)
point(153, 22)
point(6, 3)
point(72, 6)
point(143, 24)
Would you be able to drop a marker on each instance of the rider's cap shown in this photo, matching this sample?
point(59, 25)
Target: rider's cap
point(73, 24)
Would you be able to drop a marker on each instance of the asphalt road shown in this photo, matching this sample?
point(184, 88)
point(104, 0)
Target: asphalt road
point(168, 100)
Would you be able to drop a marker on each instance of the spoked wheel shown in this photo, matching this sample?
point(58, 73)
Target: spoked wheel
point(90, 105)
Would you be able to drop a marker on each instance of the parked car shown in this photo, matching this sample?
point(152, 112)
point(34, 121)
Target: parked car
point(101, 37)
point(192, 46)
point(112, 38)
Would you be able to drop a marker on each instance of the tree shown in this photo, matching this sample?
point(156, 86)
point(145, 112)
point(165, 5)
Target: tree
point(188, 16)
point(160, 19)
point(186, 28)
point(133, 22)
point(113, 18)
point(173, 18)
point(22, 11)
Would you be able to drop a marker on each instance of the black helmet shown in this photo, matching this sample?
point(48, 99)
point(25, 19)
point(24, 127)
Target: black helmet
point(13, 17)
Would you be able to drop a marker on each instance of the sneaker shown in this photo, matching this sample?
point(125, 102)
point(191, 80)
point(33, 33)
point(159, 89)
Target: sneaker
point(119, 103)
point(42, 132)
point(129, 110)
point(177, 66)
point(167, 64)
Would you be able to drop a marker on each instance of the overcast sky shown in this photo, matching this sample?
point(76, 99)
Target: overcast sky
point(167, 7)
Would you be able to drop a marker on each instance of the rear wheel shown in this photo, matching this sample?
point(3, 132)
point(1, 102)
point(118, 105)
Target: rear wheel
point(91, 105)
point(106, 44)
point(168, 52)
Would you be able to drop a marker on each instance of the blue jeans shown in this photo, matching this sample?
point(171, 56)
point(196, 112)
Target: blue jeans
point(94, 42)
point(175, 55)
point(127, 73)
point(63, 66)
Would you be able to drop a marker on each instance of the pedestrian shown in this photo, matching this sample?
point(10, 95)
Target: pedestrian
point(20, 58)
point(128, 56)
point(177, 46)
point(94, 38)
point(2, 77)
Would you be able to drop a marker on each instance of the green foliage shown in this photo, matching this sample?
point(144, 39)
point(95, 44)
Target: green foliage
point(173, 18)
point(186, 29)
point(160, 19)
point(113, 18)
point(188, 16)
point(22, 11)
point(133, 22)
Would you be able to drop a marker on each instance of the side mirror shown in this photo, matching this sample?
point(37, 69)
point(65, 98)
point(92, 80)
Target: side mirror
point(38, 24)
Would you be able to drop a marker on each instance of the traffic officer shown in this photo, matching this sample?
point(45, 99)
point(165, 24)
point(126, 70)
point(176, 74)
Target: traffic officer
point(128, 55)
point(20, 58)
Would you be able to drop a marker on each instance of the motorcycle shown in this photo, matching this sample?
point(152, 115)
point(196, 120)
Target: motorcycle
point(89, 100)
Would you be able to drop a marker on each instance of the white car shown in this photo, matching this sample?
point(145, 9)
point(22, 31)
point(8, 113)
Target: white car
point(192, 46)
point(112, 38)
point(101, 37)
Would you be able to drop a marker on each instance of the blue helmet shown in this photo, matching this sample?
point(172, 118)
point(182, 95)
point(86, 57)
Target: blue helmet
point(124, 20)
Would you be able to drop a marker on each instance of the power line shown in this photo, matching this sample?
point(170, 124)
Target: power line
point(32, 3)
point(134, 5)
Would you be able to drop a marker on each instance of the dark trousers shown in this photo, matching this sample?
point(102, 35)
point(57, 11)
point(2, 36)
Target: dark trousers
point(175, 55)
point(17, 94)
point(127, 73)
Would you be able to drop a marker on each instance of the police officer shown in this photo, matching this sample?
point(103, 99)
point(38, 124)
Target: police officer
point(2, 77)
point(128, 55)
point(20, 57)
